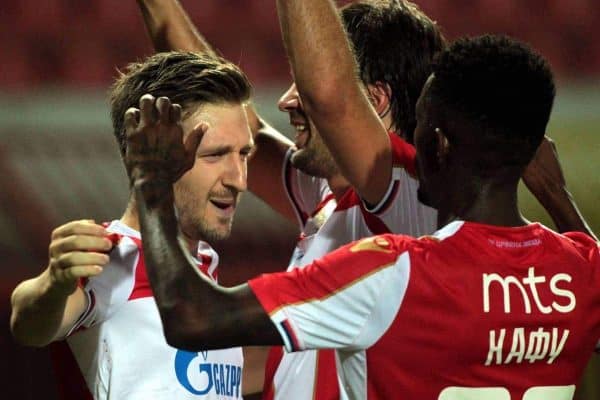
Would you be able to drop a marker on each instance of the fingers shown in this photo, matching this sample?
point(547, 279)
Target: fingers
point(131, 119)
point(79, 242)
point(78, 249)
point(195, 137)
point(147, 111)
point(79, 258)
point(81, 271)
point(163, 106)
point(79, 227)
point(175, 113)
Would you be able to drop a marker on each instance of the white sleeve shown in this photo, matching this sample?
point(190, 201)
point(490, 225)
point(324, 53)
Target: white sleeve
point(401, 211)
point(315, 308)
point(305, 192)
point(111, 289)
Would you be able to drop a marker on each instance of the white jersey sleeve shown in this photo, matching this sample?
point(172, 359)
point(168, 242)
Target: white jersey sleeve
point(107, 292)
point(400, 209)
point(345, 300)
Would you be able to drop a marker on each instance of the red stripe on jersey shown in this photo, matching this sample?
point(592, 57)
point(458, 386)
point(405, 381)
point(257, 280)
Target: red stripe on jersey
point(326, 382)
point(71, 383)
point(348, 200)
point(403, 154)
point(273, 361)
point(142, 288)
point(322, 204)
point(374, 223)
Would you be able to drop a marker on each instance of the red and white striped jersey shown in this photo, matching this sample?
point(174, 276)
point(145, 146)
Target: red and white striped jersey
point(471, 312)
point(327, 224)
point(117, 349)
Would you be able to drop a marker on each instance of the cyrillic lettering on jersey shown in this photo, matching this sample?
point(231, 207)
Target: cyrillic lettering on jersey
point(516, 345)
point(537, 345)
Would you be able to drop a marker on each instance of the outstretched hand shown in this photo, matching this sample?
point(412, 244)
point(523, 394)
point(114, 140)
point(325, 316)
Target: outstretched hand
point(155, 142)
point(78, 249)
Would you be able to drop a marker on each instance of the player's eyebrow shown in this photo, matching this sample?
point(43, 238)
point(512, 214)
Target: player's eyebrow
point(223, 149)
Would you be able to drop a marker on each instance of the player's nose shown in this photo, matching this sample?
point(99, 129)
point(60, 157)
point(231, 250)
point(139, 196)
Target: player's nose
point(236, 174)
point(290, 100)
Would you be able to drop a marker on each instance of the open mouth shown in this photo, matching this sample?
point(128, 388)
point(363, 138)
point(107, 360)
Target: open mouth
point(223, 205)
point(302, 135)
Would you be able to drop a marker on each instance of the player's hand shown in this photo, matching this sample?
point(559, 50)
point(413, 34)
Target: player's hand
point(155, 142)
point(78, 249)
point(544, 172)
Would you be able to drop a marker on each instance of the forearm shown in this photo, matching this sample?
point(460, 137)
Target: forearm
point(326, 75)
point(560, 205)
point(319, 52)
point(170, 28)
point(37, 311)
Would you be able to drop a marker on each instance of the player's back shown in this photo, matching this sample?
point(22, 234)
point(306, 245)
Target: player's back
point(491, 313)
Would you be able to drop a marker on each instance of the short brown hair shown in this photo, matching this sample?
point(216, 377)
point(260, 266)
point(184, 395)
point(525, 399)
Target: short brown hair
point(186, 78)
point(394, 43)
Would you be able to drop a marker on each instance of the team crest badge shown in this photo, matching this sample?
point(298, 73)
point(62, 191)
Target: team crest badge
point(376, 243)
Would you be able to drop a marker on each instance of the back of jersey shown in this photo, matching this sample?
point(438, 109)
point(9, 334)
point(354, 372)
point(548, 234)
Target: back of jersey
point(493, 313)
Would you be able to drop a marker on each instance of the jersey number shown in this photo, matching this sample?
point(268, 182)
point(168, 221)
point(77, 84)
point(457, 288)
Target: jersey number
point(500, 393)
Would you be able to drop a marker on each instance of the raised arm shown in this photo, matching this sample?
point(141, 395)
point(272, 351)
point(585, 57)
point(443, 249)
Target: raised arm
point(170, 28)
point(325, 73)
point(45, 308)
point(545, 179)
point(196, 313)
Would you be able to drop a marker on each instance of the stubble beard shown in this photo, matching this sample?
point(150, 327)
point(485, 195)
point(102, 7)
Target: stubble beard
point(313, 162)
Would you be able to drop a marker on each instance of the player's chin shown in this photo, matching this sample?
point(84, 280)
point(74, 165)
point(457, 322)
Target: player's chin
point(302, 159)
point(222, 229)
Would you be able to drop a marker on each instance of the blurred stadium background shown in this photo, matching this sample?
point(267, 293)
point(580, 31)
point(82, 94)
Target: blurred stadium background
point(58, 161)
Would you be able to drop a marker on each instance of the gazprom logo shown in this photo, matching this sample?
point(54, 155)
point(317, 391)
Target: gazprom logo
point(200, 377)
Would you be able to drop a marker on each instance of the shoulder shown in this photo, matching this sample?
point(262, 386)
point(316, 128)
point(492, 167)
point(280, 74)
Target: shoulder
point(583, 244)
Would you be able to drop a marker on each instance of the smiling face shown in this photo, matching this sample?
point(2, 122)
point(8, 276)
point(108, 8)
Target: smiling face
point(206, 197)
point(312, 155)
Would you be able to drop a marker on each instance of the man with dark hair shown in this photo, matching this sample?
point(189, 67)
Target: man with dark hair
point(94, 293)
point(490, 306)
point(345, 180)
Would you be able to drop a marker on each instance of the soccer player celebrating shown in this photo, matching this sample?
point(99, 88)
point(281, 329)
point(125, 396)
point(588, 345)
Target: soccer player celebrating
point(95, 292)
point(490, 306)
point(349, 177)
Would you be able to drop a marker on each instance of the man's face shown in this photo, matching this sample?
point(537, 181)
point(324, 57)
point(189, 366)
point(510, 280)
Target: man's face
point(312, 155)
point(207, 195)
point(431, 181)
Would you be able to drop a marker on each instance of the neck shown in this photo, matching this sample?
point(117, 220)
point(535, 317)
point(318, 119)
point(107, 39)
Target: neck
point(131, 219)
point(338, 185)
point(490, 203)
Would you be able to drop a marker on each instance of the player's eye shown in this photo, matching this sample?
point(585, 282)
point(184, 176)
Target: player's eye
point(212, 157)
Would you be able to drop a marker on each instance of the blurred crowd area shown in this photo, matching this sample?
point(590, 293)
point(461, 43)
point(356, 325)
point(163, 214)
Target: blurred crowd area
point(58, 159)
point(79, 43)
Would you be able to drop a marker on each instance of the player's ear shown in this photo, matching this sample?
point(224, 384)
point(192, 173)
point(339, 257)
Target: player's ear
point(443, 146)
point(380, 95)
